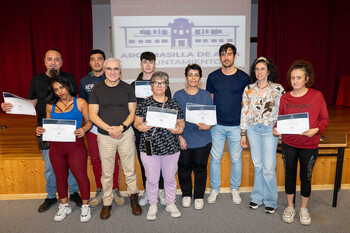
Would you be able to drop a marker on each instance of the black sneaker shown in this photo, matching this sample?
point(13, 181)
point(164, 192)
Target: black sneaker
point(76, 198)
point(47, 204)
point(253, 205)
point(269, 210)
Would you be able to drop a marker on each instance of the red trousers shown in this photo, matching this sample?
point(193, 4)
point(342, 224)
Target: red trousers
point(73, 155)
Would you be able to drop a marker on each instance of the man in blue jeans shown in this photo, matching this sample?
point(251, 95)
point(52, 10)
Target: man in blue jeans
point(226, 86)
point(37, 95)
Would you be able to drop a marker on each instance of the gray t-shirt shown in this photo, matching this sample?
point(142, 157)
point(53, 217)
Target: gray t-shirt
point(113, 102)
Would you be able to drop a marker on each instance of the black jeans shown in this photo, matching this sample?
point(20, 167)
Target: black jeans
point(196, 160)
point(137, 143)
point(307, 159)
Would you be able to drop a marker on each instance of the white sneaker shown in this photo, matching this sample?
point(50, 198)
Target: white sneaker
point(212, 196)
point(304, 215)
point(144, 199)
point(63, 210)
point(152, 212)
point(198, 204)
point(161, 195)
point(186, 201)
point(172, 209)
point(97, 199)
point(236, 198)
point(288, 215)
point(85, 213)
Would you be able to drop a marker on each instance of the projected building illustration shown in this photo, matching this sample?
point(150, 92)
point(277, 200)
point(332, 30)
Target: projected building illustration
point(179, 34)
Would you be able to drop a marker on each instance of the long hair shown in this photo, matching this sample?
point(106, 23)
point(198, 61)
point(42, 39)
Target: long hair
point(52, 98)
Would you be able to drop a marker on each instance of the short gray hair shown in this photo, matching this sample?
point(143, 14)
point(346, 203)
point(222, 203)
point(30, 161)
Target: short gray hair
point(112, 59)
point(161, 75)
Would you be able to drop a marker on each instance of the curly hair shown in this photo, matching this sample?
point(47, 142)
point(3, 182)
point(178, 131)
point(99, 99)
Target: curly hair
point(304, 66)
point(271, 68)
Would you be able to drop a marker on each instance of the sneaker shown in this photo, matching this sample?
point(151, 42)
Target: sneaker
point(304, 215)
point(288, 215)
point(63, 210)
point(198, 204)
point(161, 196)
point(236, 198)
point(85, 213)
point(117, 197)
point(47, 204)
point(144, 199)
point(186, 201)
point(76, 198)
point(253, 205)
point(212, 196)
point(172, 209)
point(152, 212)
point(269, 210)
point(97, 200)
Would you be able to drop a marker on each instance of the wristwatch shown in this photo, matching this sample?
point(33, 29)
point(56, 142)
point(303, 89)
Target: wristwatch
point(124, 127)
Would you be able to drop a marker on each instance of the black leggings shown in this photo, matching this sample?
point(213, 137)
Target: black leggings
point(194, 159)
point(307, 158)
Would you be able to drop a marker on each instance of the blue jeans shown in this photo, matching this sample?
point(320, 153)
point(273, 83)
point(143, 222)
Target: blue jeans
point(263, 147)
point(219, 134)
point(51, 179)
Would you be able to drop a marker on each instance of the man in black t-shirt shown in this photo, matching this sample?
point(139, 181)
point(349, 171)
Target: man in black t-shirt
point(112, 105)
point(37, 95)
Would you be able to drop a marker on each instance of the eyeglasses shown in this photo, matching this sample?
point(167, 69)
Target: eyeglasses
point(157, 83)
point(109, 69)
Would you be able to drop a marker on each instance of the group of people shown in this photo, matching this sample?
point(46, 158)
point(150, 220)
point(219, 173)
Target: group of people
point(115, 121)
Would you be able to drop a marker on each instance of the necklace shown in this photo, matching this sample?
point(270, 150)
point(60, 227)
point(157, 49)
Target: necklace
point(191, 92)
point(65, 105)
point(257, 84)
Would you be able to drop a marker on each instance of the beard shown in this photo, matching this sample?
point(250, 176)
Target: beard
point(53, 72)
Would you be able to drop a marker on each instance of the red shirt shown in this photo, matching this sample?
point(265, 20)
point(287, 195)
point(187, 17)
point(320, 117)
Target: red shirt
point(313, 103)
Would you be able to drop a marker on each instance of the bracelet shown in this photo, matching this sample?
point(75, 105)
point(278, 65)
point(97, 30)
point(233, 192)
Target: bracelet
point(243, 134)
point(182, 130)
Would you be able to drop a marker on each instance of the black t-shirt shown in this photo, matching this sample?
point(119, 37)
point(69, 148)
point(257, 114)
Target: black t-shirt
point(39, 89)
point(163, 141)
point(113, 102)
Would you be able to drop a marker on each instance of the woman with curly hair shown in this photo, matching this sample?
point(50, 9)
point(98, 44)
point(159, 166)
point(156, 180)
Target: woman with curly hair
point(259, 115)
point(302, 147)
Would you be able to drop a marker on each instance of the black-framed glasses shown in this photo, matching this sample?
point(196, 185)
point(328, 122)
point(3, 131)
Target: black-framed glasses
point(157, 83)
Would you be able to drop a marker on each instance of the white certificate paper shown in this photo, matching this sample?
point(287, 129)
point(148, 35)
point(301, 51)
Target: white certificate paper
point(161, 117)
point(293, 123)
point(59, 130)
point(20, 105)
point(143, 89)
point(197, 113)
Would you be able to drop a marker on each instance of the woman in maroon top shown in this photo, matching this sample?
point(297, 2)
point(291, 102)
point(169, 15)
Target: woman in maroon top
point(304, 146)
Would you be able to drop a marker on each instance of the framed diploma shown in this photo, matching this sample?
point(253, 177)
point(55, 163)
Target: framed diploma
point(20, 105)
point(293, 123)
point(197, 113)
point(143, 89)
point(161, 117)
point(59, 130)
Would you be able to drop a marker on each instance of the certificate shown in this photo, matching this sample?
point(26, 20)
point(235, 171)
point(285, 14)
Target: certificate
point(20, 105)
point(293, 123)
point(161, 117)
point(59, 130)
point(197, 113)
point(143, 89)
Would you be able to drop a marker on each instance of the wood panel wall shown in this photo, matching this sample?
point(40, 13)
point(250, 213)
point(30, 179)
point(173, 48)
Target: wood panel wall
point(22, 167)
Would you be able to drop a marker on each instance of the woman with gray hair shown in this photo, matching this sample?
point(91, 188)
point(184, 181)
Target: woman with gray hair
point(162, 151)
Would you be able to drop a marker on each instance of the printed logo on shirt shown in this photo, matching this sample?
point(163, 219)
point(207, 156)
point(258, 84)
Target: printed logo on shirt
point(89, 87)
point(298, 107)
